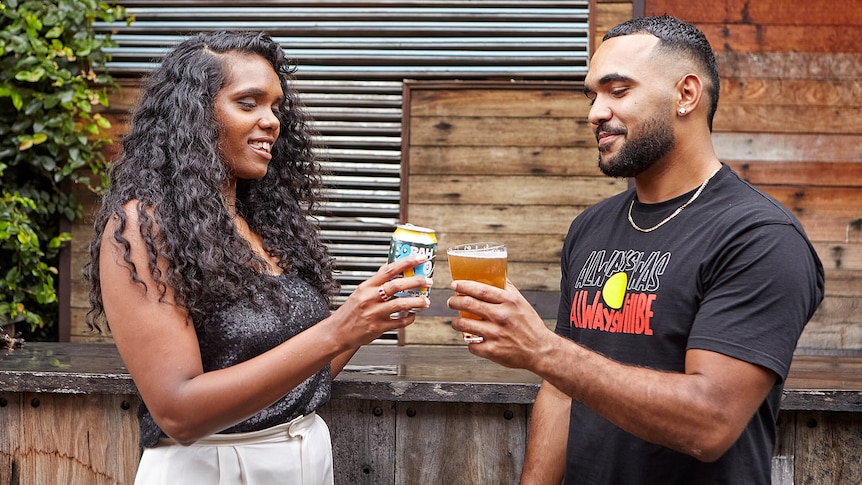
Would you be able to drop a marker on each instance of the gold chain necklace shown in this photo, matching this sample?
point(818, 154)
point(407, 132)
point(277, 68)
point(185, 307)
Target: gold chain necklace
point(676, 212)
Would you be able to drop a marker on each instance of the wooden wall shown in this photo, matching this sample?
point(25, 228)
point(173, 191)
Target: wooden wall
point(789, 120)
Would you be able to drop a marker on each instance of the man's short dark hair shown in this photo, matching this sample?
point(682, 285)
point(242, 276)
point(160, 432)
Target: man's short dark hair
point(680, 38)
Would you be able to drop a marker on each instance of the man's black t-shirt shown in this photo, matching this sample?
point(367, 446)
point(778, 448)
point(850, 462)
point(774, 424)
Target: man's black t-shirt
point(733, 273)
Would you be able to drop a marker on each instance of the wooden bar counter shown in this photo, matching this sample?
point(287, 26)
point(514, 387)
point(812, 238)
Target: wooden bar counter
point(398, 415)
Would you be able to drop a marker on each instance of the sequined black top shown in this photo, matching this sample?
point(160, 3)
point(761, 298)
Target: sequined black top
point(244, 330)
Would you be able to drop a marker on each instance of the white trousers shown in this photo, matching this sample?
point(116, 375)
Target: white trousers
point(295, 453)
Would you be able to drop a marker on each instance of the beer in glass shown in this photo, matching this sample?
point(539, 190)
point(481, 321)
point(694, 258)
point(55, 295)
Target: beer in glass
point(484, 262)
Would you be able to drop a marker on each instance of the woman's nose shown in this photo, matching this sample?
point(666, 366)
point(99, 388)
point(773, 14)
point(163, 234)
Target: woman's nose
point(269, 120)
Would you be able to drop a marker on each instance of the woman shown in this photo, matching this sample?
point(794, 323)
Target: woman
point(214, 282)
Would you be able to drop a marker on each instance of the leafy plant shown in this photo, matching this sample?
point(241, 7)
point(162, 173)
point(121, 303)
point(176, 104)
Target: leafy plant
point(51, 135)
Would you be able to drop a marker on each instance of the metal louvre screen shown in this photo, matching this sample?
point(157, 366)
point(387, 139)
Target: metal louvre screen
point(352, 57)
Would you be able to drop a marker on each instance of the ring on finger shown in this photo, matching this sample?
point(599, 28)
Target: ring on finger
point(382, 292)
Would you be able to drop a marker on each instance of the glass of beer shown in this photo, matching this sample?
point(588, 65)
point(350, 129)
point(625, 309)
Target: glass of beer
point(484, 262)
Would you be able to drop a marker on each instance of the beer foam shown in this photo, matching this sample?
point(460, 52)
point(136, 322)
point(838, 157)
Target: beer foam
point(484, 254)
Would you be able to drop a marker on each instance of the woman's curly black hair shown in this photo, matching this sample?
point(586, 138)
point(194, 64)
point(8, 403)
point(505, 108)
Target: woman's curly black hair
point(170, 165)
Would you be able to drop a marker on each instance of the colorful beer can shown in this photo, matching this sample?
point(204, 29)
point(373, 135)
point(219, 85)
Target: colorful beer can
point(409, 239)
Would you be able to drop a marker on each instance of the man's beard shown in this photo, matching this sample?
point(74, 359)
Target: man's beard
point(638, 154)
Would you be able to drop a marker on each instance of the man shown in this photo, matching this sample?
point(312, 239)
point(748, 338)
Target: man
point(682, 299)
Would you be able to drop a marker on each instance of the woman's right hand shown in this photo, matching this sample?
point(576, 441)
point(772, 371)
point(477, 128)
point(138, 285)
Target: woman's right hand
point(371, 309)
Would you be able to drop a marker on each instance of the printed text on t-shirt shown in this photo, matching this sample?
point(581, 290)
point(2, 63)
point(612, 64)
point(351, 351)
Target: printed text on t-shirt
point(622, 286)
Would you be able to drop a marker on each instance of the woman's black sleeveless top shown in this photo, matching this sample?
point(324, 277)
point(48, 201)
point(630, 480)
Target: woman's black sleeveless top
point(244, 330)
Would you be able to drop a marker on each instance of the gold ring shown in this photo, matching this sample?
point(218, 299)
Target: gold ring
point(382, 293)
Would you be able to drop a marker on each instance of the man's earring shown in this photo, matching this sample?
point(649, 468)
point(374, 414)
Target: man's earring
point(682, 111)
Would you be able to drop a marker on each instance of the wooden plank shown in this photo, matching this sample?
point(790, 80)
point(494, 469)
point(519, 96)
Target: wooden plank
point(791, 92)
point(789, 64)
point(831, 335)
point(363, 437)
point(80, 289)
point(813, 173)
point(563, 101)
point(839, 317)
point(817, 12)
point(781, 38)
point(459, 443)
point(521, 247)
point(428, 330)
point(785, 449)
point(515, 190)
point(606, 15)
point(837, 255)
point(503, 160)
point(782, 470)
point(781, 147)
point(831, 227)
point(843, 283)
point(80, 295)
point(13, 430)
point(494, 219)
point(809, 371)
point(837, 324)
point(89, 438)
point(788, 119)
point(839, 309)
point(845, 202)
point(828, 446)
point(526, 132)
point(437, 330)
point(80, 333)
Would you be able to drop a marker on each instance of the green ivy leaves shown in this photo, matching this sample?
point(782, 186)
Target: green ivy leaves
point(20, 241)
point(51, 132)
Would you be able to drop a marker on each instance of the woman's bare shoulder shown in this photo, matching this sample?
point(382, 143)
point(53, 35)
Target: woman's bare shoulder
point(131, 220)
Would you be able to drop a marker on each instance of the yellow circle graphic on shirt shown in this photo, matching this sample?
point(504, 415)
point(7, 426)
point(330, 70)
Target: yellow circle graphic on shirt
point(614, 290)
